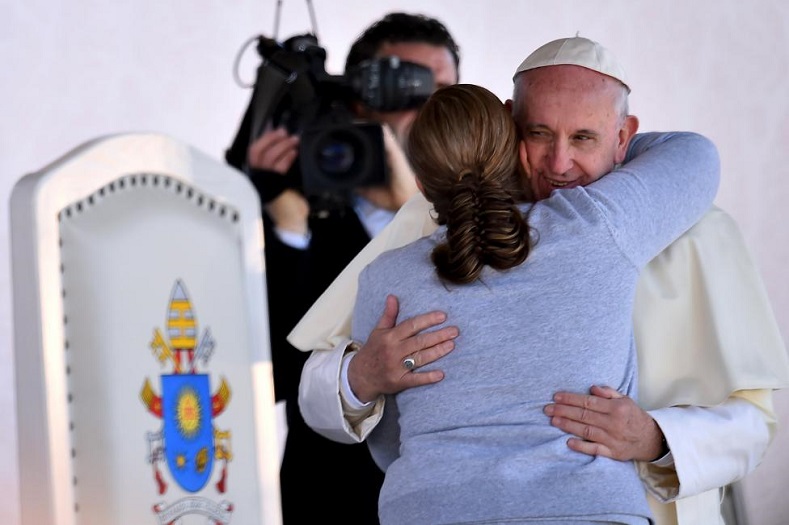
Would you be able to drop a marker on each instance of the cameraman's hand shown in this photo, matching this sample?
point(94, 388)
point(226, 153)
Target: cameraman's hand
point(402, 183)
point(275, 151)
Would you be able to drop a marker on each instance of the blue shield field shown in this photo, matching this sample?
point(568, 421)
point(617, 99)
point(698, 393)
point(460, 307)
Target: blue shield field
point(188, 429)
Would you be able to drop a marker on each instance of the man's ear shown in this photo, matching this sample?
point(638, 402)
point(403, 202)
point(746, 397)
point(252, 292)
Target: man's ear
point(626, 132)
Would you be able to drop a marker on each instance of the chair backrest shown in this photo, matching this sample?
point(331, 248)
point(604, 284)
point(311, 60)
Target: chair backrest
point(143, 371)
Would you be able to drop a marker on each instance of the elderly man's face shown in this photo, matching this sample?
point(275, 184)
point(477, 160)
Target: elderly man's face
point(571, 119)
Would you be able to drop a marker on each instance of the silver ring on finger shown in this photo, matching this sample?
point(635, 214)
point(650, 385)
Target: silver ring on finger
point(409, 363)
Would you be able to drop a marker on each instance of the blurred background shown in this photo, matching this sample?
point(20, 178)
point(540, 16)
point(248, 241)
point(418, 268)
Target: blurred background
point(73, 71)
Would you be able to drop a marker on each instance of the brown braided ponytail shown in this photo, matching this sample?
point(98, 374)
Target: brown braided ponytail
point(463, 147)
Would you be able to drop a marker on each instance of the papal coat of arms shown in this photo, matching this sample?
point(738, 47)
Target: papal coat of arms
point(188, 441)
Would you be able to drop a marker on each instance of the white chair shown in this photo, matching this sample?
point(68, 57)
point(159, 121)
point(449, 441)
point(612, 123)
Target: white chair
point(143, 374)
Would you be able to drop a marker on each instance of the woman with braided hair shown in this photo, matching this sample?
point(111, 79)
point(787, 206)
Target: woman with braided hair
point(544, 292)
point(474, 185)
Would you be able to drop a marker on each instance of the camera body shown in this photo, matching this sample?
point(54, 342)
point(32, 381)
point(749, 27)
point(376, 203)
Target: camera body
point(338, 152)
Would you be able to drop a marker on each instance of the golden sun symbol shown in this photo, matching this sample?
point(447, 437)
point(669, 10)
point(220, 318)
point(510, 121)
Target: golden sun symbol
point(188, 412)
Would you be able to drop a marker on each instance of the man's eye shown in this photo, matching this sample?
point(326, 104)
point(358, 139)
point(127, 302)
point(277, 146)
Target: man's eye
point(582, 138)
point(536, 134)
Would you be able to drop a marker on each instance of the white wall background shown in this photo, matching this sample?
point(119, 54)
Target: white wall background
point(75, 70)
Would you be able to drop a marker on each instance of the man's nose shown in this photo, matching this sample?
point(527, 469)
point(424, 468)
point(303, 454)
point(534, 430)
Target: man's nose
point(560, 158)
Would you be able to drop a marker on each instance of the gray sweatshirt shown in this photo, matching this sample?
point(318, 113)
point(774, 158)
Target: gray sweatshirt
point(477, 447)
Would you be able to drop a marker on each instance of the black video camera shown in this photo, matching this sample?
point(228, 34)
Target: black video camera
point(338, 152)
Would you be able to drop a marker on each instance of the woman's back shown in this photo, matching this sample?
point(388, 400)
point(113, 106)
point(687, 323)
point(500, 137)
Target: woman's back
point(561, 320)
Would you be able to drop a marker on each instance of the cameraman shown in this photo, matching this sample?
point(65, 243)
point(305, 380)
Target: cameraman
point(306, 249)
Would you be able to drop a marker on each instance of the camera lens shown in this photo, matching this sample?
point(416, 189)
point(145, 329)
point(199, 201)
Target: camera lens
point(339, 157)
point(336, 154)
